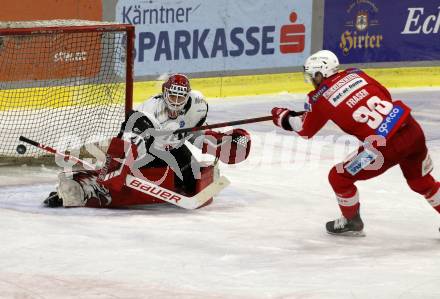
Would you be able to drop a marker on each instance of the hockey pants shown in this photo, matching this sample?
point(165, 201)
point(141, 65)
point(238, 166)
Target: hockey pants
point(407, 148)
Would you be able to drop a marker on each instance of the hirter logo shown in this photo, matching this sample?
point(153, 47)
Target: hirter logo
point(362, 32)
point(292, 36)
point(362, 20)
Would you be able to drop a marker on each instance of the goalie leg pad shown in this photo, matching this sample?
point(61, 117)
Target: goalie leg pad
point(80, 188)
point(71, 192)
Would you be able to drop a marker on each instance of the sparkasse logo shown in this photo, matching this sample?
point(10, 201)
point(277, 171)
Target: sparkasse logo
point(215, 42)
point(292, 36)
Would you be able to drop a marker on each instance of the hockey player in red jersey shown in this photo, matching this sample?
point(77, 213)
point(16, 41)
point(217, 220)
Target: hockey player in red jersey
point(362, 107)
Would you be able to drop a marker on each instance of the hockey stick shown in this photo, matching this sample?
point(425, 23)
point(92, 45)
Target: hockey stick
point(55, 152)
point(233, 123)
point(146, 187)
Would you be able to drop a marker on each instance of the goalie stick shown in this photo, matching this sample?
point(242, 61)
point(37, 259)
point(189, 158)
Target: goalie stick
point(55, 152)
point(149, 188)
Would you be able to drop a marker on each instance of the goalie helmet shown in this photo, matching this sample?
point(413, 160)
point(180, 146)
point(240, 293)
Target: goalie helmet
point(324, 62)
point(176, 92)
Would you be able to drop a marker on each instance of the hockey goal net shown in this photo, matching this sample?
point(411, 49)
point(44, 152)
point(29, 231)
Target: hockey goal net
point(63, 82)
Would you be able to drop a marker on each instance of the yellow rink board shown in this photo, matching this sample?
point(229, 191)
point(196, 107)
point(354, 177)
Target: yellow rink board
point(61, 96)
point(290, 82)
point(54, 97)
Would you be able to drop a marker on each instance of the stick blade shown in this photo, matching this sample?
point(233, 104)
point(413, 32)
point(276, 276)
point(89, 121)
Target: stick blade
point(210, 191)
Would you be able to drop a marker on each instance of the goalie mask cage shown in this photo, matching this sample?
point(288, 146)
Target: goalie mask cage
point(63, 82)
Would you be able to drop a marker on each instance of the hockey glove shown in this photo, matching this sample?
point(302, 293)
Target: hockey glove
point(137, 123)
point(280, 117)
point(231, 147)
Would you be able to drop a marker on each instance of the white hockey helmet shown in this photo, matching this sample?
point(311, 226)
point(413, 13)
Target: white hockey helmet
point(324, 62)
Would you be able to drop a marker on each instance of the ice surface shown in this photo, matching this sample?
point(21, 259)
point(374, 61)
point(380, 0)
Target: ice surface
point(263, 237)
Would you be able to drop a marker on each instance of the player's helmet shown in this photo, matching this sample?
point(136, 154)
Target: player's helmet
point(176, 91)
point(324, 62)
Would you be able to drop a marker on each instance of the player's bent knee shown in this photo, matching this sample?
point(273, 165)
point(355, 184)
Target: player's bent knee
point(425, 186)
point(71, 192)
point(332, 175)
point(340, 183)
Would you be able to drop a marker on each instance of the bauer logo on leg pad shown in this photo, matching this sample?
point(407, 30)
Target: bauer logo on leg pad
point(154, 190)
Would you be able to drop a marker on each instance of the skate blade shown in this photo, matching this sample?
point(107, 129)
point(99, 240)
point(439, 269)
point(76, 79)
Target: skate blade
point(358, 234)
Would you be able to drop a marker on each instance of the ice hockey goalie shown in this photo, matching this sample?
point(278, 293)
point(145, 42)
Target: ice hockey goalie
point(143, 152)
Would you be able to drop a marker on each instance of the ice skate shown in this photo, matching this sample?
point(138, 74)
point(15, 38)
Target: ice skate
point(346, 227)
point(53, 201)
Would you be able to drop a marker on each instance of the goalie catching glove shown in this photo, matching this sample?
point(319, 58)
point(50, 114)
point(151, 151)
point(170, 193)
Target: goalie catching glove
point(230, 147)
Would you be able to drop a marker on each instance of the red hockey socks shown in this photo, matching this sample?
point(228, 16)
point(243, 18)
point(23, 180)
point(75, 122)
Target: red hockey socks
point(349, 203)
point(434, 197)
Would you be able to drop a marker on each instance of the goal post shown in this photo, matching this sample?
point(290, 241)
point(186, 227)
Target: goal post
point(63, 81)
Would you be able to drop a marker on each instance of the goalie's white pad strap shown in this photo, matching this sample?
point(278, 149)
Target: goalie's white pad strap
point(70, 191)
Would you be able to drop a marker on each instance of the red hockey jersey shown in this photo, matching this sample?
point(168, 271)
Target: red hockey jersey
point(356, 103)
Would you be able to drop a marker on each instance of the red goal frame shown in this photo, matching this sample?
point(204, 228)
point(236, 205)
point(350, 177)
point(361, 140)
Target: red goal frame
point(92, 27)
